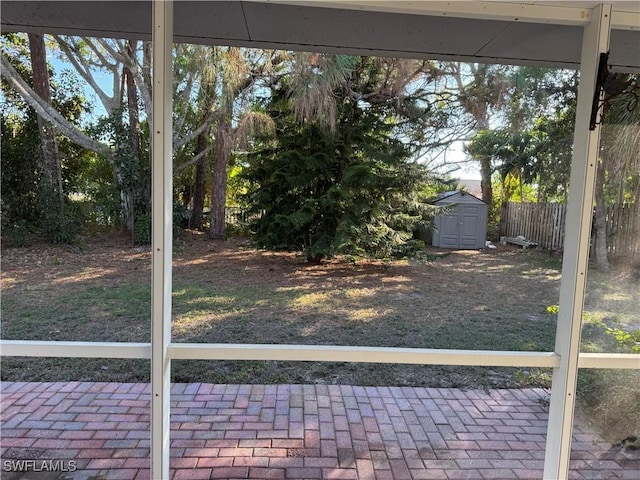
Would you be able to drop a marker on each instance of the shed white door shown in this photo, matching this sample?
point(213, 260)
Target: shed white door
point(470, 218)
point(450, 229)
point(461, 227)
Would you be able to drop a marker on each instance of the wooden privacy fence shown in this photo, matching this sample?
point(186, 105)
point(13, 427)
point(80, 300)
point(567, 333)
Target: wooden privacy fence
point(544, 224)
point(623, 231)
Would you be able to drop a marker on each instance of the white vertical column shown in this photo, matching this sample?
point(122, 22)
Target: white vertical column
point(576, 250)
point(161, 198)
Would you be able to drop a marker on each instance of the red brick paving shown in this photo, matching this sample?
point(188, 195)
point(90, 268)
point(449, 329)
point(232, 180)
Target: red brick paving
point(295, 432)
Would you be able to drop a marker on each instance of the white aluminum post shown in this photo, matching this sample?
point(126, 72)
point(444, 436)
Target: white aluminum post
point(576, 252)
point(161, 191)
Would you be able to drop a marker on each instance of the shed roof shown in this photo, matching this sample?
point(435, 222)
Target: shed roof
point(519, 33)
point(448, 197)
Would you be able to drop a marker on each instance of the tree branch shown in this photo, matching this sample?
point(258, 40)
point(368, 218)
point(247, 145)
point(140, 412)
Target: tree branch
point(195, 159)
point(114, 67)
point(117, 55)
point(181, 142)
point(137, 71)
point(182, 98)
point(47, 112)
point(83, 68)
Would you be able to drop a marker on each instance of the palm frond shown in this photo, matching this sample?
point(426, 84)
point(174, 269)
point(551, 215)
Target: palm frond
point(315, 78)
point(251, 125)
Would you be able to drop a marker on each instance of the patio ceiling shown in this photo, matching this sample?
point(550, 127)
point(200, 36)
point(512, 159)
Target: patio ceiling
point(522, 33)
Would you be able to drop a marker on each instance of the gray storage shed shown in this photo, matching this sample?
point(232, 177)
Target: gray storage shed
point(463, 224)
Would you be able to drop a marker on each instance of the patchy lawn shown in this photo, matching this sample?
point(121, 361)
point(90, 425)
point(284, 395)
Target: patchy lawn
point(228, 292)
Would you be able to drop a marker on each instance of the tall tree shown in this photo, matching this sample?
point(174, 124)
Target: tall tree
point(127, 64)
point(36, 182)
point(514, 155)
point(481, 89)
point(48, 143)
point(220, 108)
point(348, 188)
point(206, 108)
point(541, 103)
point(241, 72)
point(223, 146)
point(199, 183)
point(427, 118)
point(134, 132)
point(516, 99)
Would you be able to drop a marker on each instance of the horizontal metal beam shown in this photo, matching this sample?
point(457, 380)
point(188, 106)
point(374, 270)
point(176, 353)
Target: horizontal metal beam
point(330, 353)
point(312, 353)
point(625, 20)
point(33, 348)
point(609, 360)
point(503, 11)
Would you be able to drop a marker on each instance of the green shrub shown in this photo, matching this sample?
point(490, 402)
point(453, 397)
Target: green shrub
point(60, 226)
point(142, 230)
point(626, 341)
point(15, 234)
point(181, 216)
point(238, 230)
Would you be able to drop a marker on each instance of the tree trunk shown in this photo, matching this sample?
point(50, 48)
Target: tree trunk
point(479, 113)
point(146, 64)
point(502, 226)
point(600, 223)
point(199, 184)
point(477, 97)
point(132, 103)
point(219, 181)
point(49, 145)
point(134, 136)
point(485, 180)
point(208, 95)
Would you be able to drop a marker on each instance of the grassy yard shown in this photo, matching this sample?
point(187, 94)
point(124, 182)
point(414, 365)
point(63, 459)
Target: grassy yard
point(228, 292)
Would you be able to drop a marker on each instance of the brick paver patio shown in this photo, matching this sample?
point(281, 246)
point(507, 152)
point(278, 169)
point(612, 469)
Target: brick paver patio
point(294, 432)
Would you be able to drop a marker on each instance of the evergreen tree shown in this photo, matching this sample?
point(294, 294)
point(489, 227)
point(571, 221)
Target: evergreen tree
point(350, 190)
